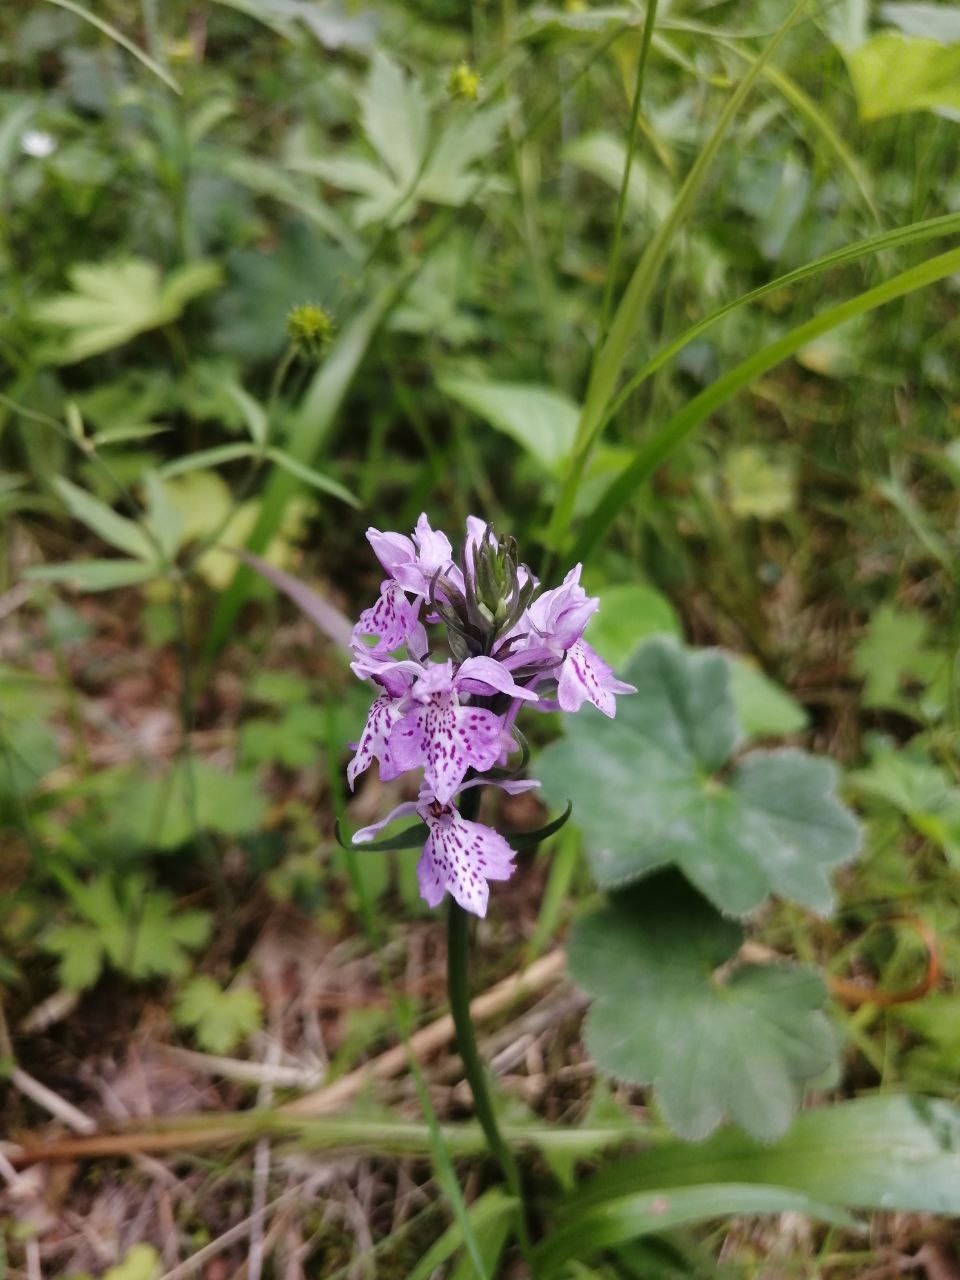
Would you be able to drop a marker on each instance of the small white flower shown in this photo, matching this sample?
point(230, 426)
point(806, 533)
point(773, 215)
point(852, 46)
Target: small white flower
point(35, 142)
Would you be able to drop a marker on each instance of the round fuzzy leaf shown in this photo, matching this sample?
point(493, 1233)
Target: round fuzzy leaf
point(713, 1043)
point(648, 791)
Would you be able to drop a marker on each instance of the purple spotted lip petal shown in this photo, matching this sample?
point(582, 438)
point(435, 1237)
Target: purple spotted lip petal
point(585, 677)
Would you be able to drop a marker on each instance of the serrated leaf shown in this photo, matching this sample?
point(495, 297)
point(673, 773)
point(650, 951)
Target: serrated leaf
point(219, 1019)
point(656, 786)
point(80, 955)
point(712, 1044)
point(112, 302)
point(102, 520)
point(394, 115)
point(157, 812)
point(541, 420)
point(892, 651)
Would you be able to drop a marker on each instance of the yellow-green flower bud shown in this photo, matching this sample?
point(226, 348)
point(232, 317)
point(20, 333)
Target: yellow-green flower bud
point(310, 328)
point(464, 83)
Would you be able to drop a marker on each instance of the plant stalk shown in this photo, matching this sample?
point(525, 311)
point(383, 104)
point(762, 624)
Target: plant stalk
point(458, 991)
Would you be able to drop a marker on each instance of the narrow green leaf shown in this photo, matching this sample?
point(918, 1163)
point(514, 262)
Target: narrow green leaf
point(314, 478)
point(314, 421)
point(652, 1212)
point(102, 520)
point(206, 459)
point(94, 575)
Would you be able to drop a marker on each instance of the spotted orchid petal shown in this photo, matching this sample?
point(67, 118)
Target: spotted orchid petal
point(392, 620)
point(446, 740)
point(374, 742)
point(585, 677)
point(460, 858)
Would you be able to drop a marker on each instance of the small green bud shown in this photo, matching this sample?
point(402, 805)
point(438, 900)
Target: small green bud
point(310, 328)
point(464, 83)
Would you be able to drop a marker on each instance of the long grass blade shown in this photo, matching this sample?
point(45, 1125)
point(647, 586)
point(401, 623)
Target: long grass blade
point(119, 38)
point(610, 361)
point(672, 434)
point(915, 233)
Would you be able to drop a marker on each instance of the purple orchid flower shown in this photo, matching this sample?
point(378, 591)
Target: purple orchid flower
point(460, 857)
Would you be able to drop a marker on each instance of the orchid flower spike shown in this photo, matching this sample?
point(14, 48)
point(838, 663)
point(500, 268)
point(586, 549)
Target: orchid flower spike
point(451, 717)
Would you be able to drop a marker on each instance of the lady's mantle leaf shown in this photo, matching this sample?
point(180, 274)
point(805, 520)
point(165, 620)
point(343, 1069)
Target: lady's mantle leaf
point(741, 1044)
point(647, 791)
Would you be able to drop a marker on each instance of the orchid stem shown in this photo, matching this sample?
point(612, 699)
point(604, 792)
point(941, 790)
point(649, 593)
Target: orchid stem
point(458, 988)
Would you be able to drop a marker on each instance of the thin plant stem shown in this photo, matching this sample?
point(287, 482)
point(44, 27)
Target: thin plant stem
point(458, 991)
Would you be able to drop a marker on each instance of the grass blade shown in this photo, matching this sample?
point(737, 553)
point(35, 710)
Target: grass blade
point(612, 356)
point(119, 38)
point(672, 434)
point(915, 233)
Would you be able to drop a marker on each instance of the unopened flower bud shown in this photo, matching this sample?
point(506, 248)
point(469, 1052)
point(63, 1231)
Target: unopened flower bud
point(464, 83)
point(310, 328)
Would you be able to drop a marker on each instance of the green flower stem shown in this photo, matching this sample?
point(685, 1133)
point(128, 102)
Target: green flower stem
point(458, 991)
point(458, 941)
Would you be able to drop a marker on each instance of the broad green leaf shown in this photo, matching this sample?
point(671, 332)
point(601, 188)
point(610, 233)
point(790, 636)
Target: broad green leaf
point(888, 1152)
point(893, 73)
point(540, 419)
point(394, 115)
point(763, 708)
point(162, 935)
point(219, 1019)
point(713, 1043)
point(112, 302)
point(646, 1213)
point(757, 485)
point(629, 614)
point(102, 520)
point(94, 575)
point(656, 786)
